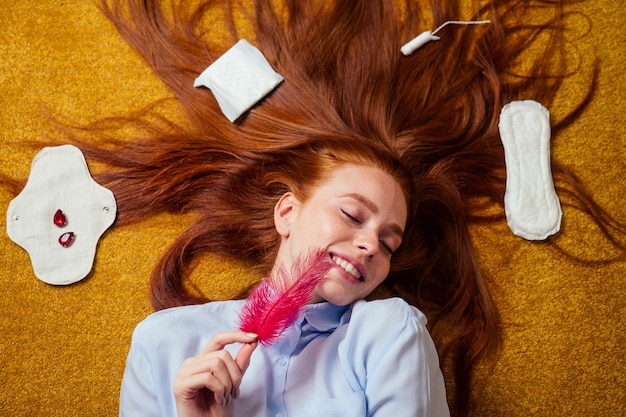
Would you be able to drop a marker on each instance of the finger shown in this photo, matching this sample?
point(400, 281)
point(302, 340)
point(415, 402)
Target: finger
point(218, 371)
point(188, 387)
point(220, 396)
point(218, 368)
point(225, 338)
point(225, 372)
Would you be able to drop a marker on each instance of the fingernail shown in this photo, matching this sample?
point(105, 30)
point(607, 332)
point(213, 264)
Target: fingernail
point(252, 335)
point(223, 402)
point(229, 399)
point(236, 394)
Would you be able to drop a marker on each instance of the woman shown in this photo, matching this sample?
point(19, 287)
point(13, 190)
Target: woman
point(347, 90)
point(345, 357)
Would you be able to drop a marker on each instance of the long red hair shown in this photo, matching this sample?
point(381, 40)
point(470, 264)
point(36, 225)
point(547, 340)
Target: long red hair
point(429, 119)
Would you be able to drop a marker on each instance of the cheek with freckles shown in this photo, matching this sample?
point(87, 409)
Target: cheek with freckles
point(318, 233)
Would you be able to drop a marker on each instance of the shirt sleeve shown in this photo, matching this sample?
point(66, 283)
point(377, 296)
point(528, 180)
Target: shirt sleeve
point(395, 361)
point(138, 391)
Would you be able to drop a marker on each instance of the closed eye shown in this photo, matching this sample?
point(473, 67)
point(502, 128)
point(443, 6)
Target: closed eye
point(386, 247)
point(352, 218)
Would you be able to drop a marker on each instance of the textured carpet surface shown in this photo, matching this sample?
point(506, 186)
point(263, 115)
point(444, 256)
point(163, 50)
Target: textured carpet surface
point(62, 349)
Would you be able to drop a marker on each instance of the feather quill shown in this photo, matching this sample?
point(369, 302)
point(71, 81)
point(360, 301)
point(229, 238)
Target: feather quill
point(281, 298)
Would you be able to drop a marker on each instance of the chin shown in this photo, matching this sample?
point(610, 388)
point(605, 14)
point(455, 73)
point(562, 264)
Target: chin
point(335, 294)
point(340, 302)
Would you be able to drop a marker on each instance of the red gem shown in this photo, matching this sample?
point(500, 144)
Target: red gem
point(66, 239)
point(59, 218)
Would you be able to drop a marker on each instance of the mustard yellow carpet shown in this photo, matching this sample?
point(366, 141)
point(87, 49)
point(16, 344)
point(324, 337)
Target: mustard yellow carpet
point(62, 349)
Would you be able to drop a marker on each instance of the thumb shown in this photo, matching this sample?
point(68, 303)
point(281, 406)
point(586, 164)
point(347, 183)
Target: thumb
point(243, 356)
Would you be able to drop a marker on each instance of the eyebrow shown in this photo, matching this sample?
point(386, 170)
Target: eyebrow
point(394, 227)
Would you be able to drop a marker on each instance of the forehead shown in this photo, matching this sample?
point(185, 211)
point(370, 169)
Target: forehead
point(372, 187)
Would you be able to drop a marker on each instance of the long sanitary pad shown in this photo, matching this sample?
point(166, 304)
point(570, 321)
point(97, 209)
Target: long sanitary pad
point(532, 207)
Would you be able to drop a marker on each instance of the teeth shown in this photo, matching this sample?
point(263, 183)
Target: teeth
point(348, 267)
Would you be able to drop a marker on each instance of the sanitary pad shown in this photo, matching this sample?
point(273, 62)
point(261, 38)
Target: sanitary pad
point(60, 215)
point(239, 79)
point(532, 207)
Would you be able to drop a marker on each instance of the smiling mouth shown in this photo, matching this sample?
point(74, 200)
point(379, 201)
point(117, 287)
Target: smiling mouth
point(348, 267)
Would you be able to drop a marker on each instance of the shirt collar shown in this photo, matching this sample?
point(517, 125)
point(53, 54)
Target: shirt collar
point(326, 317)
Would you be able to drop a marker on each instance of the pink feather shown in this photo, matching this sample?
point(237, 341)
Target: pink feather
point(279, 300)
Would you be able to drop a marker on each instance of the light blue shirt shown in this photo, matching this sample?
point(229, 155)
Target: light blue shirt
point(372, 358)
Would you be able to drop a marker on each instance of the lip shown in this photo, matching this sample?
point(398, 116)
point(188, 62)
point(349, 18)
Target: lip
point(354, 263)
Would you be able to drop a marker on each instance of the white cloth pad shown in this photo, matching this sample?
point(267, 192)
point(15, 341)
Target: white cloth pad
point(531, 204)
point(59, 180)
point(239, 79)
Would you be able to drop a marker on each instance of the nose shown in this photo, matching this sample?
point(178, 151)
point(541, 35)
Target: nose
point(367, 243)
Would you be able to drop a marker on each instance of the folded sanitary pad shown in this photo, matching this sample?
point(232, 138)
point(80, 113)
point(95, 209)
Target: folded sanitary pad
point(239, 79)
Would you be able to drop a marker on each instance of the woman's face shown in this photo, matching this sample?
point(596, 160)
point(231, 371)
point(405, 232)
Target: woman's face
point(358, 216)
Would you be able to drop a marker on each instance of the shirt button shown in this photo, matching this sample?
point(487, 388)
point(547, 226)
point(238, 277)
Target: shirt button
point(279, 415)
point(281, 362)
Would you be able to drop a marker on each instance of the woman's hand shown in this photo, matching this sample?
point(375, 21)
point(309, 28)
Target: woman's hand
point(207, 383)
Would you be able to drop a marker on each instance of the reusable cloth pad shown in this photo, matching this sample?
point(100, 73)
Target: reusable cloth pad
point(60, 180)
point(239, 79)
point(531, 204)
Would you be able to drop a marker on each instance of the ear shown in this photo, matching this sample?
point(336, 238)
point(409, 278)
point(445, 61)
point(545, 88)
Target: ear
point(283, 212)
